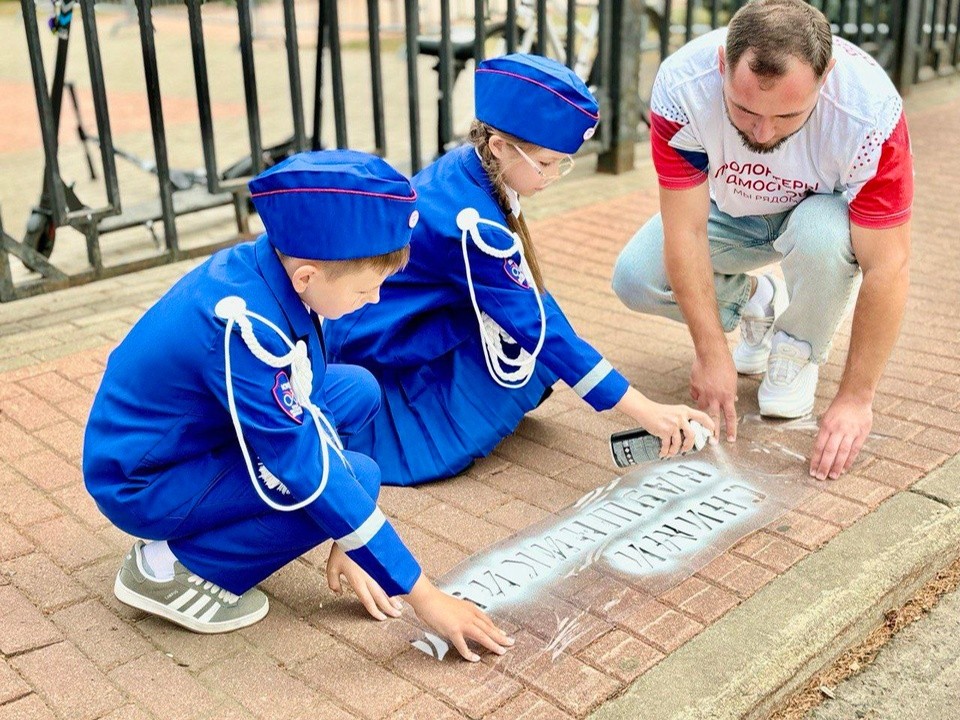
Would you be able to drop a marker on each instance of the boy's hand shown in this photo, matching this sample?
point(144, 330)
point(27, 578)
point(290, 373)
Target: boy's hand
point(457, 620)
point(372, 596)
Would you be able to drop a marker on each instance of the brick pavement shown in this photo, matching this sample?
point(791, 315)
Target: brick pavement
point(70, 650)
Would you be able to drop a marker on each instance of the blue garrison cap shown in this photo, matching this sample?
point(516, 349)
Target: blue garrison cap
point(536, 99)
point(335, 205)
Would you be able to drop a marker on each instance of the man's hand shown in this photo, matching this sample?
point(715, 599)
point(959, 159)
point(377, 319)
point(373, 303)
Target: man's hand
point(372, 596)
point(843, 430)
point(713, 386)
point(457, 620)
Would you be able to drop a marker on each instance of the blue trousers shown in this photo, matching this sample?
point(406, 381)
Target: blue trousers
point(232, 538)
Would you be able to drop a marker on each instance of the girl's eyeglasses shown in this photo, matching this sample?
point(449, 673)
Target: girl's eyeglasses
point(564, 166)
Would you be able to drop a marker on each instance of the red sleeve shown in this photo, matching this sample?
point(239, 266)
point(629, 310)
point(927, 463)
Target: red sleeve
point(676, 169)
point(885, 200)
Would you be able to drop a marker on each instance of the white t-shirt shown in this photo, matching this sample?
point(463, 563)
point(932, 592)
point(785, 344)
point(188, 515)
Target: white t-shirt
point(855, 142)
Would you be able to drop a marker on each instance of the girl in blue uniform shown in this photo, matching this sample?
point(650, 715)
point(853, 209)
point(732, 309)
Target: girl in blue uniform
point(466, 340)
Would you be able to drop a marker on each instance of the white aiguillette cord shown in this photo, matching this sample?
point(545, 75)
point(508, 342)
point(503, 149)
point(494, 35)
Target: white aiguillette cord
point(233, 309)
point(469, 220)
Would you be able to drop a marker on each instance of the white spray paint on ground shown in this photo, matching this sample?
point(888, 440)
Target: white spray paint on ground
point(657, 525)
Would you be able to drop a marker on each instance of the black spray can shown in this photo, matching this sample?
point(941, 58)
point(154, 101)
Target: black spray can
point(632, 447)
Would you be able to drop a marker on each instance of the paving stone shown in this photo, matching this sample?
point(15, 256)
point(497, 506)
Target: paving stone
point(131, 712)
point(860, 489)
point(474, 689)
point(48, 471)
point(833, 509)
point(517, 515)
point(275, 694)
point(349, 621)
point(893, 474)
point(425, 707)
point(565, 680)
point(528, 706)
point(52, 387)
point(739, 576)
point(661, 626)
point(436, 556)
point(30, 412)
point(14, 442)
point(704, 602)
point(22, 626)
point(67, 542)
point(12, 543)
point(77, 500)
point(191, 651)
point(621, 655)
point(287, 636)
point(12, 686)
point(357, 683)
point(76, 688)
point(806, 531)
point(298, 586)
point(24, 505)
point(459, 527)
point(47, 586)
point(30, 707)
point(404, 503)
point(100, 635)
point(535, 457)
point(467, 494)
point(66, 438)
point(543, 492)
point(157, 684)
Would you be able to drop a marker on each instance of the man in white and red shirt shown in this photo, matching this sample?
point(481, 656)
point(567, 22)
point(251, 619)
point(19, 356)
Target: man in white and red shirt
point(775, 142)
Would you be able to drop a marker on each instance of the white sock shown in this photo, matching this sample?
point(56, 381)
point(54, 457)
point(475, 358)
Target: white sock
point(761, 302)
point(781, 337)
point(159, 559)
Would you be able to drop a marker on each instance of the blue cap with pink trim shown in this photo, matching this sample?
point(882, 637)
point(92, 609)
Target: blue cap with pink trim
point(335, 205)
point(536, 99)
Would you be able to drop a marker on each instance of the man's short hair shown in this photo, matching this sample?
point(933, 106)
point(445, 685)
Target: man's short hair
point(776, 30)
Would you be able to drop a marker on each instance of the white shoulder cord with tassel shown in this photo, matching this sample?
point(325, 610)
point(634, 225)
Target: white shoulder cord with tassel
point(233, 309)
point(469, 220)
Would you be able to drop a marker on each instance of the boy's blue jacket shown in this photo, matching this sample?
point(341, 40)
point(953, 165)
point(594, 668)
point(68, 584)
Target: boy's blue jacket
point(422, 339)
point(160, 431)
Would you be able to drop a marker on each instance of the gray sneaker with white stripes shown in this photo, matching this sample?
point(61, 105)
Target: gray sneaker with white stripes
point(188, 599)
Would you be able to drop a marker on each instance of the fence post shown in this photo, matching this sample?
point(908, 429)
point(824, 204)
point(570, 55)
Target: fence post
point(624, 116)
point(905, 69)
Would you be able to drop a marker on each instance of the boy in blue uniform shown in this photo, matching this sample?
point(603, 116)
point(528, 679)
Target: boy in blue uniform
point(217, 431)
point(466, 340)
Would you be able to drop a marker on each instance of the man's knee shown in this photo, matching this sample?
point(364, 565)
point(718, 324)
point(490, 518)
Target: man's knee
point(638, 276)
point(819, 231)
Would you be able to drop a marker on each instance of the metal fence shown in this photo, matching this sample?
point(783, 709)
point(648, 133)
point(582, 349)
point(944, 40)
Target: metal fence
point(614, 45)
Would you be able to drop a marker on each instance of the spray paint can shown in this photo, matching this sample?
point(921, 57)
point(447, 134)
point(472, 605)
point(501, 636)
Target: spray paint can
point(632, 447)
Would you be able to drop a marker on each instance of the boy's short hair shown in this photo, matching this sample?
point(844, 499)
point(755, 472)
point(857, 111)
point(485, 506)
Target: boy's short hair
point(388, 263)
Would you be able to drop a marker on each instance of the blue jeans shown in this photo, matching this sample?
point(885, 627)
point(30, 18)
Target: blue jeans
point(811, 242)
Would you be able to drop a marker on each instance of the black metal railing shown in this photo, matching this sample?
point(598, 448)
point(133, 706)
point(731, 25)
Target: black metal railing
point(614, 45)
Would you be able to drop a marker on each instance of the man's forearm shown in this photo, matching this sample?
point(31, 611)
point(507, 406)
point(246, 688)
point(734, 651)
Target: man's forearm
point(876, 325)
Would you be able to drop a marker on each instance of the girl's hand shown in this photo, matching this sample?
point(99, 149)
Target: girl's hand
point(372, 596)
point(670, 423)
point(456, 620)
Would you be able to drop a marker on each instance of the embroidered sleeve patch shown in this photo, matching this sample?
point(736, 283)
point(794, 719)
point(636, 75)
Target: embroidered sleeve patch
point(283, 394)
point(515, 273)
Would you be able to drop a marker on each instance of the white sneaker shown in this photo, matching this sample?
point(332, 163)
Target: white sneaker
point(750, 355)
point(788, 388)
